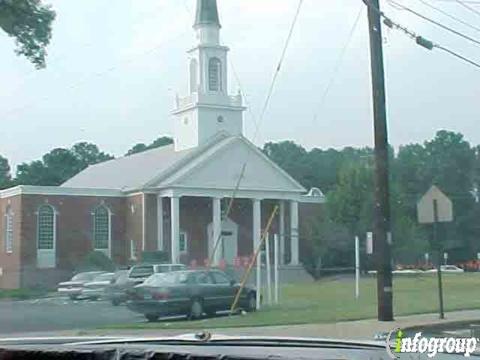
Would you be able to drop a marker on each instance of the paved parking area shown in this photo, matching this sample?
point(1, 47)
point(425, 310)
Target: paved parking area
point(60, 313)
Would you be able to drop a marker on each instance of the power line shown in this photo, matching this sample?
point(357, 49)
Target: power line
point(458, 55)
point(449, 15)
point(337, 65)
point(453, 31)
point(468, 7)
point(427, 44)
point(257, 126)
point(280, 63)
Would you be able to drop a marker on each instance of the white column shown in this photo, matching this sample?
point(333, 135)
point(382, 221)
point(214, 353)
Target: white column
point(159, 223)
point(257, 234)
point(281, 231)
point(294, 258)
point(144, 217)
point(217, 231)
point(175, 230)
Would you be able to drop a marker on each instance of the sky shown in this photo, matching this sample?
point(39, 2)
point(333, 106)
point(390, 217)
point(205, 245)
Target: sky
point(114, 68)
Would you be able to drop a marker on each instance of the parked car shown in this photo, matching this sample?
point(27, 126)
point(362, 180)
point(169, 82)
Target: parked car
point(447, 269)
point(74, 287)
point(191, 293)
point(96, 289)
point(116, 292)
point(139, 273)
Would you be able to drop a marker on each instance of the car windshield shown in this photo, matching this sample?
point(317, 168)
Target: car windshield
point(141, 271)
point(104, 277)
point(84, 276)
point(290, 168)
point(166, 279)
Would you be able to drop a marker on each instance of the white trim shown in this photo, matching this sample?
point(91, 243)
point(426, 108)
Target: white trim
point(47, 258)
point(9, 231)
point(160, 242)
point(107, 251)
point(58, 190)
point(143, 222)
point(185, 235)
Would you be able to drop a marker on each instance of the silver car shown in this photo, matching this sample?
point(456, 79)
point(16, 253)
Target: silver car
point(74, 287)
point(97, 288)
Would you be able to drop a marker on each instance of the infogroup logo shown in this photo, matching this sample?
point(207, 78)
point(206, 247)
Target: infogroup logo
point(398, 343)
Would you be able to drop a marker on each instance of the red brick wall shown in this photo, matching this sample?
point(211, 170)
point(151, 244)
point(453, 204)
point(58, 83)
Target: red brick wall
point(74, 233)
point(10, 263)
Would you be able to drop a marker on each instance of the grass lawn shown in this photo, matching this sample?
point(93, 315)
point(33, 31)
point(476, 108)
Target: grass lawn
point(333, 300)
point(22, 294)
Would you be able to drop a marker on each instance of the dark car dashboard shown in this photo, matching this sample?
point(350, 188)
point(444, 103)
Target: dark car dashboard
point(188, 347)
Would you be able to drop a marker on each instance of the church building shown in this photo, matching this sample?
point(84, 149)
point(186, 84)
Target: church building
point(172, 199)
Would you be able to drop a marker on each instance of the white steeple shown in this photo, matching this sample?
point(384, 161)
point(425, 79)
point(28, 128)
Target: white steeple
point(208, 109)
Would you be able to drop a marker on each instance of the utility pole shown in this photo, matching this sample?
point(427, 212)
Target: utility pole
point(381, 233)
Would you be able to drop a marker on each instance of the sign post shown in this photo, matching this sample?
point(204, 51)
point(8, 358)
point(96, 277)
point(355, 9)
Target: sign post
point(435, 207)
point(357, 267)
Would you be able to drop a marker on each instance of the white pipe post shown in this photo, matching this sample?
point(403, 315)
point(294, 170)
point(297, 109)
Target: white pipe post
point(257, 234)
point(276, 255)
point(357, 267)
point(269, 270)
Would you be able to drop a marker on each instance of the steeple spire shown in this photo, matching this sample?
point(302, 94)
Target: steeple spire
point(207, 13)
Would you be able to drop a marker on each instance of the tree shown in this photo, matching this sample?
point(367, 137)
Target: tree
point(351, 203)
point(141, 147)
point(5, 177)
point(30, 23)
point(88, 154)
point(59, 165)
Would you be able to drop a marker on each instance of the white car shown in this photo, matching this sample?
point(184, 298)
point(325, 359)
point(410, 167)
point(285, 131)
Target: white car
point(448, 269)
point(407, 272)
point(96, 289)
point(74, 287)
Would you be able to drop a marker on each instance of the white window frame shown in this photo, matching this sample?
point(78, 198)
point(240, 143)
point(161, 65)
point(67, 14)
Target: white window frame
point(185, 235)
point(9, 231)
point(46, 258)
point(108, 250)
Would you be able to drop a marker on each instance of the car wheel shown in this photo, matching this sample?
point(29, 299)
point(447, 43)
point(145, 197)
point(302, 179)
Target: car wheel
point(252, 302)
point(151, 317)
point(196, 309)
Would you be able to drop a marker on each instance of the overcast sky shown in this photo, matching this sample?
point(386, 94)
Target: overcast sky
point(114, 68)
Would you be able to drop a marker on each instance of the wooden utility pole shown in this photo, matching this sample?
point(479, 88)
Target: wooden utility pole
point(381, 233)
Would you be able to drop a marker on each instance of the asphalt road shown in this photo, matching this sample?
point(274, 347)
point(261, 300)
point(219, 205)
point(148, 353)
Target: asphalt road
point(56, 314)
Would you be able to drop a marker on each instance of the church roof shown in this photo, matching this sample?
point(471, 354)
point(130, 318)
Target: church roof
point(215, 164)
point(128, 172)
point(207, 13)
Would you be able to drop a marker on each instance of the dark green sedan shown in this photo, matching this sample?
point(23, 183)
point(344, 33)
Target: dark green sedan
point(192, 293)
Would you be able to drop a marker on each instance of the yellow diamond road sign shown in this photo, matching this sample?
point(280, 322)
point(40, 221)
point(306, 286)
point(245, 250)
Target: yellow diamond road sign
point(426, 207)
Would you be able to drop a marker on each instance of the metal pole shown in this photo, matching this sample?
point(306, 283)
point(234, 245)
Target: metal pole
point(269, 271)
point(357, 267)
point(439, 259)
point(382, 202)
point(276, 254)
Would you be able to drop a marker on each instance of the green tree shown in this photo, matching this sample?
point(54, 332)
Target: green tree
point(351, 203)
point(141, 147)
point(30, 23)
point(5, 177)
point(88, 154)
point(59, 165)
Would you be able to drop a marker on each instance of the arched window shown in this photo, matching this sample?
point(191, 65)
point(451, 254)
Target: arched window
point(101, 228)
point(8, 230)
point(214, 74)
point(193, 75)
point(46, 228)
